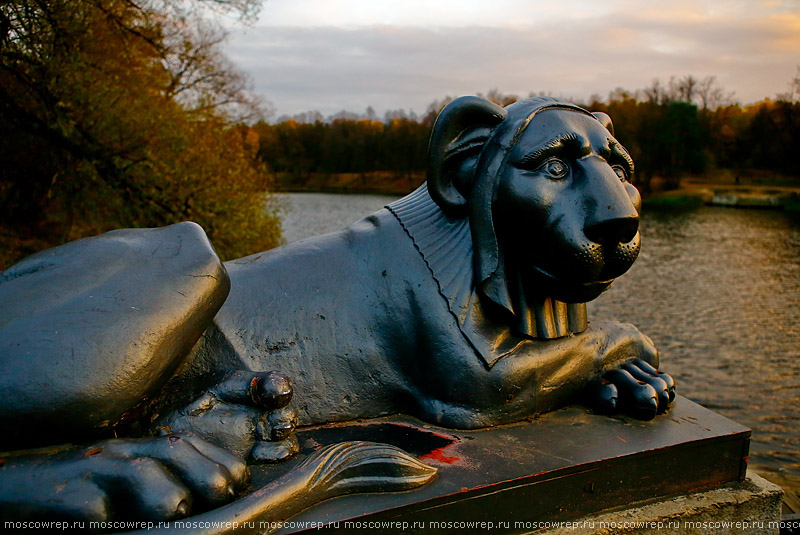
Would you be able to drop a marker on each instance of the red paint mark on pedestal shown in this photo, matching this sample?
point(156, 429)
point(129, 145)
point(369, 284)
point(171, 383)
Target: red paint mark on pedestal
point(438, 455)
point(622, 439)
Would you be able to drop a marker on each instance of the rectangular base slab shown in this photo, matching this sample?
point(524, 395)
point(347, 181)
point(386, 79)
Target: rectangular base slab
point(749, 507)
point(564, 465)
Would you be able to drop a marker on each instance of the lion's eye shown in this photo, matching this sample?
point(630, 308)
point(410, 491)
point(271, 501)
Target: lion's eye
point(620, 172)
point(555, 168)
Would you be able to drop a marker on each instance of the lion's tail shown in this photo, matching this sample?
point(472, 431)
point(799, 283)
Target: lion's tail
point(336, 470)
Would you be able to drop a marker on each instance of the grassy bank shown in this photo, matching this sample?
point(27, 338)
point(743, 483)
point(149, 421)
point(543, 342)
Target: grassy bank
point(745, 189)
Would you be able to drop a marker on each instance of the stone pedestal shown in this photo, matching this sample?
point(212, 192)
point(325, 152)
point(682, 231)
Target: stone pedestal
point(752, 506)
point(564, 466)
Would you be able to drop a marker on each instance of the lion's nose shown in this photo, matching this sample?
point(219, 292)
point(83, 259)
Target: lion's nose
point(613, 231)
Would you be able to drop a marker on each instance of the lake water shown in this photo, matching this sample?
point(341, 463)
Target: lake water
point(718, 290)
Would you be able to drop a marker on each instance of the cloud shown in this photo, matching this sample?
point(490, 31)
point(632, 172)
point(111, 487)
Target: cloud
point(460, 13)
point(424, 13)
point(388, 66)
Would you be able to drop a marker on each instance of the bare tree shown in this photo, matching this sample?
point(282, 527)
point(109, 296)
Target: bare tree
point(705, 92)
point(793, 95)
point(655, 93)
point(499, 98)
point(712, 95)
point(684, 89)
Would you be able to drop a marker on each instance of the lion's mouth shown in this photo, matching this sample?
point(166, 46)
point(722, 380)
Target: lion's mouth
point(586, 270)
point(549, 276)
point(540, 281)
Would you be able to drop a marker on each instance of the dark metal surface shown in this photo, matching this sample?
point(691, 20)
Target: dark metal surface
point(564, 465)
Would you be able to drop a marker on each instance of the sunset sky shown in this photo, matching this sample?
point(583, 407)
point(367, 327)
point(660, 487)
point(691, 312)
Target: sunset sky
point(330, 55)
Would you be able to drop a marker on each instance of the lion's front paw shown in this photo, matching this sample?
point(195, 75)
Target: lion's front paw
point(247, 412)
point(635, 387)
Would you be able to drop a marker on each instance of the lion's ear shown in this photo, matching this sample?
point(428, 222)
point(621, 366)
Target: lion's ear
point(605, 120)
point(460, 131)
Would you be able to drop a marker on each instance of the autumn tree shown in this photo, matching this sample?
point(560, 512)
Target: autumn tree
point(122, 113)
point(770, 137)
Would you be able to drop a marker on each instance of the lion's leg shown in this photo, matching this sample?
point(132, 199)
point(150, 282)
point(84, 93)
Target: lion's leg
point(90, 329)
point(609, 365)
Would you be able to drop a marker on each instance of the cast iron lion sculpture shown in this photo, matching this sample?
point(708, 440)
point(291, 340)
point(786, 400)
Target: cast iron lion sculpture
point(462, 304)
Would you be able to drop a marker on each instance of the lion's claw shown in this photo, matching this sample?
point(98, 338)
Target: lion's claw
point(646, 367)
point(658, 384)
point(635, 388)
point(602, 396)
point(265, 390)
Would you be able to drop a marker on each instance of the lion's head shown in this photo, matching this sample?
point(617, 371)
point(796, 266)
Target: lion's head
point(547, 191)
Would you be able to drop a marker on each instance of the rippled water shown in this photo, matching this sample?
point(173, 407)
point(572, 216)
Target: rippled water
point(312, 214)
point(718, 290)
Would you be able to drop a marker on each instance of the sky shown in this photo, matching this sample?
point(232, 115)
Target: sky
point(333, 55)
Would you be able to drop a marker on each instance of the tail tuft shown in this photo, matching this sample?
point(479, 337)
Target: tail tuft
point(350, 467)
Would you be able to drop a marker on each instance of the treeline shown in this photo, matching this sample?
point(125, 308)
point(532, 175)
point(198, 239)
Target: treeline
point(297, 148)
point(125, 113)
point(684, 126)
